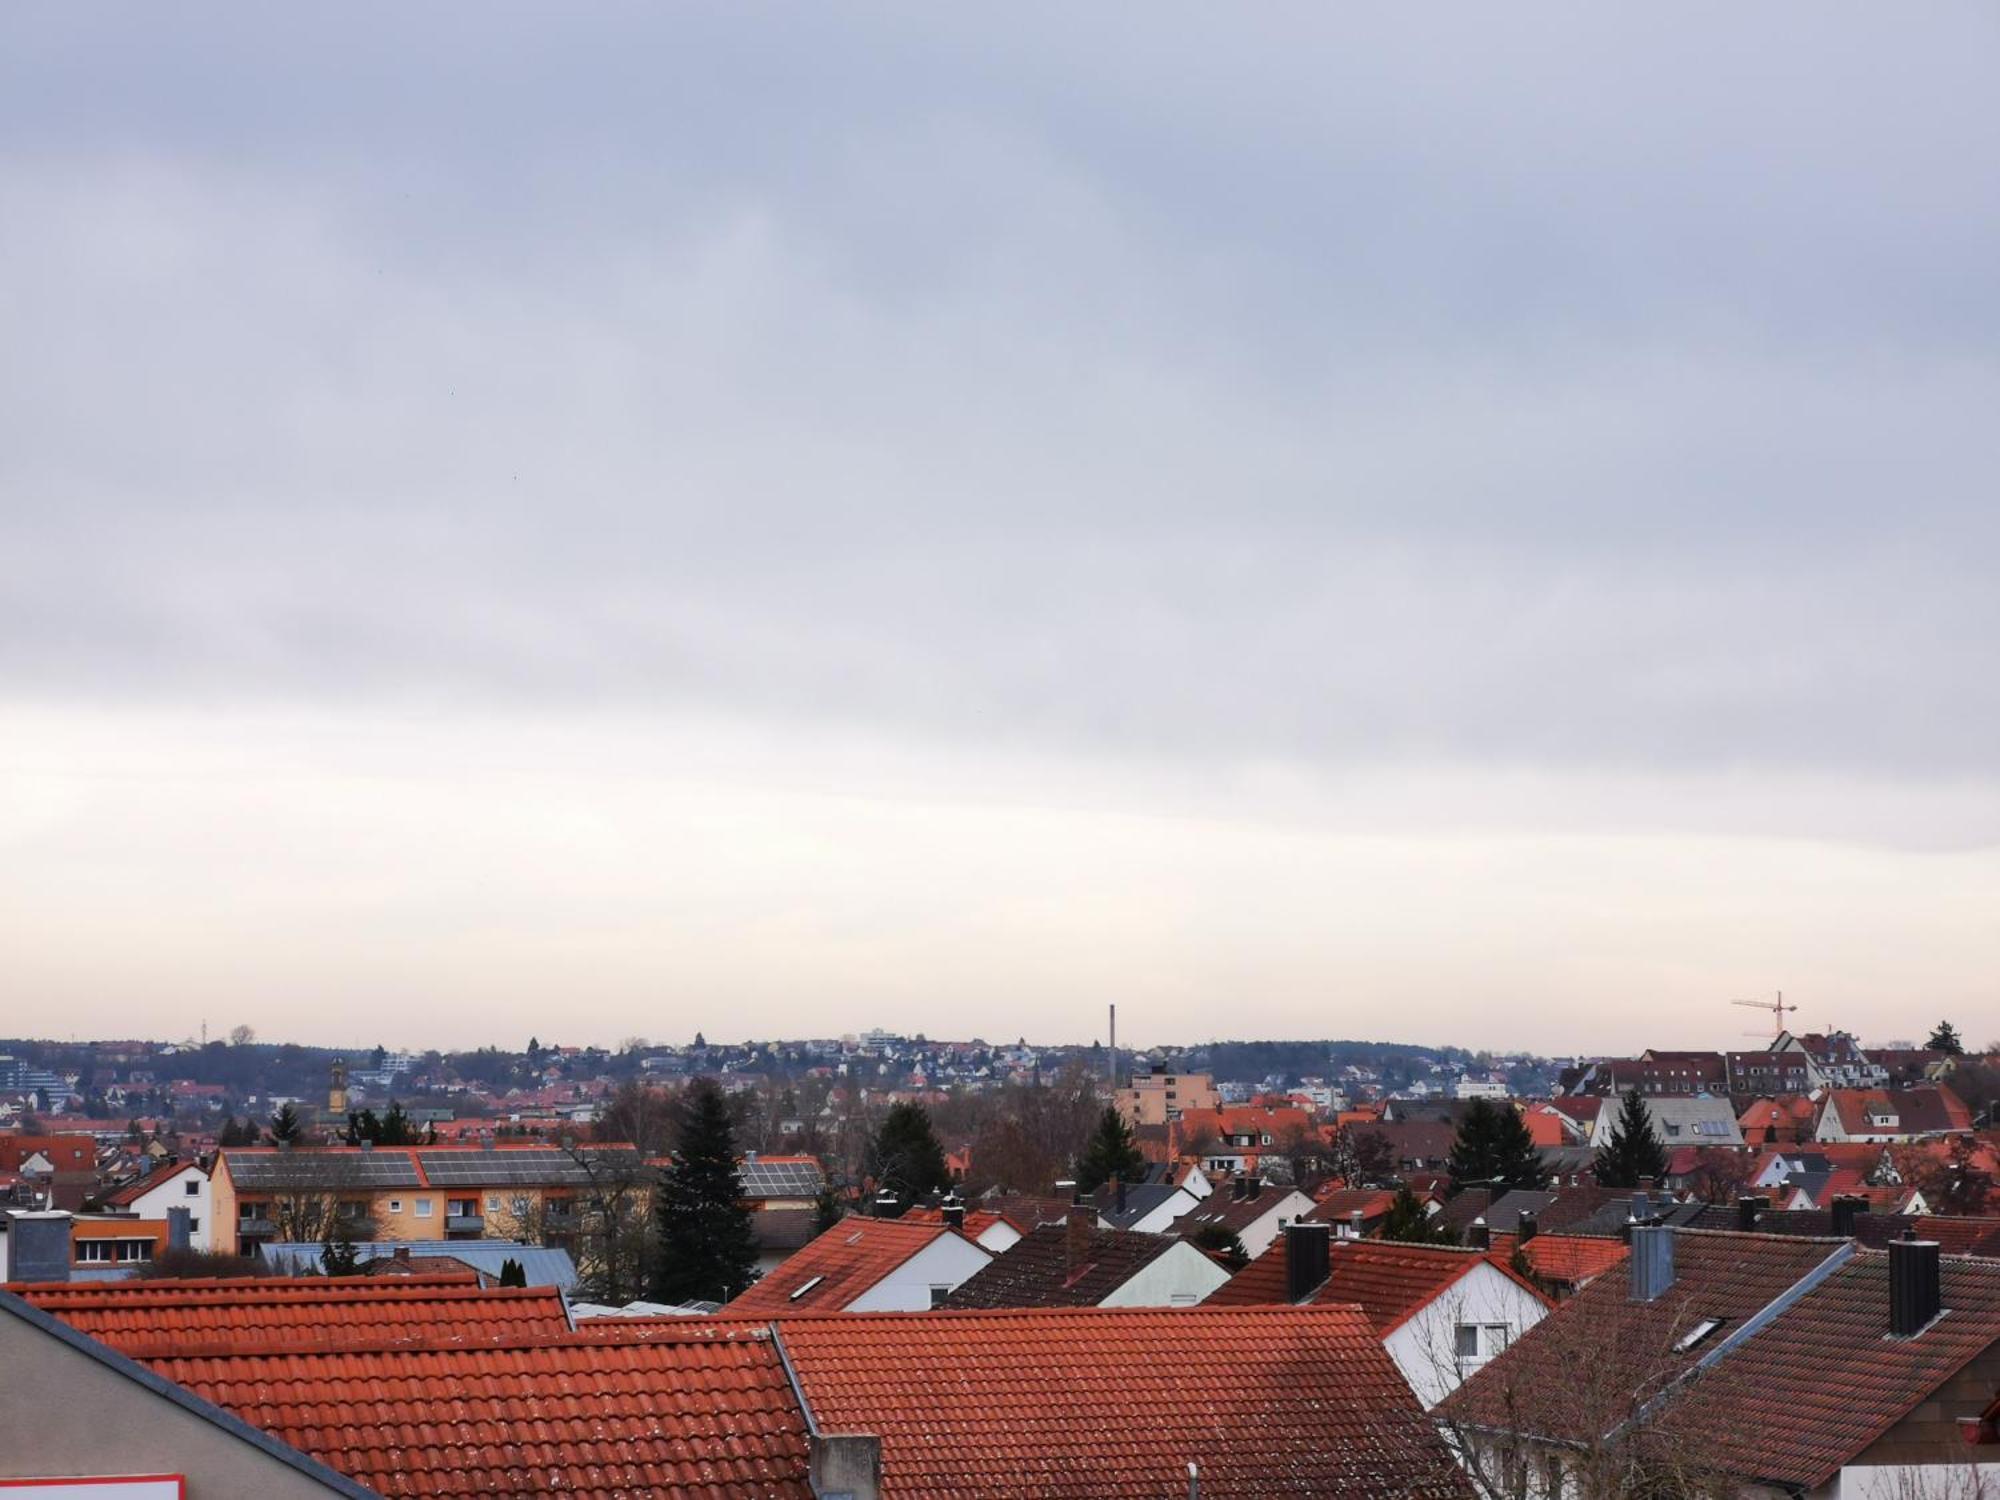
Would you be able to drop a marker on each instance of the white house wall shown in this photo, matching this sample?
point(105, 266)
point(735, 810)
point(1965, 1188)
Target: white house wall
point(1424, 1347)
point(945, 1262)
point(1180, 1278)
point(172, 1193)
point(999, 1237)
point(1256, 1237)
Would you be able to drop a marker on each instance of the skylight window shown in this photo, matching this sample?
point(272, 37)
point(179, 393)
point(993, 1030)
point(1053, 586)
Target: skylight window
point(805, 1286)
point(1696, 1334)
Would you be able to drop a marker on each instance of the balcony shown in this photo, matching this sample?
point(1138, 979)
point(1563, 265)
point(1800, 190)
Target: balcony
point(257, 1227)
point(469, 1226)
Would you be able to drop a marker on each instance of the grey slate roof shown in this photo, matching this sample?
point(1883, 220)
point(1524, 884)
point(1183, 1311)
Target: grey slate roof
point(1141, 1198)
point(542, 1265)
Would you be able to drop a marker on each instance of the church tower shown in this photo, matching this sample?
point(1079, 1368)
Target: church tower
point(336, 1088)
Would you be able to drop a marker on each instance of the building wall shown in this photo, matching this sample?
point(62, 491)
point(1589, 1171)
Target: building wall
point(1156, 1097)
point(999, 1237)
point(945, 1262)
point(173, 1193)
point(1929, 1435)
point(1182, 1277)
point(1424, 1347)
point(65, 1415)
point(1161, 1219)
point(1288, 1208)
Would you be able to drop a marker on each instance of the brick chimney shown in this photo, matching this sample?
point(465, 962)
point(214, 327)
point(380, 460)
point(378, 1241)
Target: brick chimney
point(1077, 1231)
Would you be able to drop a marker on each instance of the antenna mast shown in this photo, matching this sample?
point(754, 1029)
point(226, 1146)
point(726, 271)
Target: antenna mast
point(1776, 1007)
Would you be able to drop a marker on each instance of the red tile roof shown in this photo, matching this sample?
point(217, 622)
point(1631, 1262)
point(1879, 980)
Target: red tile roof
point(312, 1313)
point(1336, 1206)
point(848, 1259)
point(1568, 1260)
point(66, 1153)
point(1391, 1282)
point(1114, 1403)
point(1824, 1380)
point(692, 1416)
point(138, 1187)
point(1630, 1348)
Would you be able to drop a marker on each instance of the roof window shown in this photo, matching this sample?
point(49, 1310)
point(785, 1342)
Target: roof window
point(1696, 1334)
point(805, 1286)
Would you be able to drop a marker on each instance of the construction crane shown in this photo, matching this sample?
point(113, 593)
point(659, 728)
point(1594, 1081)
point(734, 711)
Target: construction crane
point(1776, 1007)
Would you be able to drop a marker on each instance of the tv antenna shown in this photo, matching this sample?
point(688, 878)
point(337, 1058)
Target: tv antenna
point(1776, 1007)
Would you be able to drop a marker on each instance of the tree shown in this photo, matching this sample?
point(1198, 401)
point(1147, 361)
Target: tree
point(1632, 1152)
point(1222, 1241)
point(1493, 1149)
point(904, 1158)
point(827, 1211)
point(511, 1273)
point(1407, 1221)
point(1362, 1156)
point(397, 1130)
point(241, 1036)
point(337, 1255)
point(1720, 1174)
point(1944, 1038)
point(286, 1127)
point(1955, 1183)
point(704, 1249)
point(1111, 1154)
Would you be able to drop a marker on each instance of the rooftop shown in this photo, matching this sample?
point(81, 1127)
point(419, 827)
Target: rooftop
point(1044, 1270)
point(1117, 1402)
point(835, 1268)
point(1389, 1281)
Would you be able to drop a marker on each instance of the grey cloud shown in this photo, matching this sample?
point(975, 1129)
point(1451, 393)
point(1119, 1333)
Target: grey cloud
point(1570, 393)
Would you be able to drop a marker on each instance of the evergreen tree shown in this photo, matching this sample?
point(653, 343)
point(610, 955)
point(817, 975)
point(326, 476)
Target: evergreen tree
point(704, 1250)
point(1110, 1155)
point(337, 1255)
point(905, 1158)
point(511, 1273)
point(362, 1126)
point(1632, 1152)
point(1222, 1241)
point(1517, 1160)
point(286, 1127)
point(1408, 1222)
point(1944, 1038)
point(397, 1130)
point(1474, 1156)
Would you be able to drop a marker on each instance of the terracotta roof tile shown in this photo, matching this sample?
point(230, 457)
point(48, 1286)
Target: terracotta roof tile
point(169, 1318)
point(836, 1268)
point(1825, 1379)
point(692, 1416)
point(1570, 1260)
point(1391, 1282)
point(1116, 1402)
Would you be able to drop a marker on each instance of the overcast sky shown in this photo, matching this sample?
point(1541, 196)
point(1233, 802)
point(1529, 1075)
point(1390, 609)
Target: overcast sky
point(1455, 525)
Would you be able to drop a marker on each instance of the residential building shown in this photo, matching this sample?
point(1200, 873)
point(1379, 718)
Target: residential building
point(531, 1191)
point(1880, 1116)
point(541, 1265)
point(1254, 1212)
point(866, 1265)
point(1075, 1265)
point(1161, 1095)
point(1700, 1120)
point(175, 1185)
point(75, 1409)
point(1441, 1311)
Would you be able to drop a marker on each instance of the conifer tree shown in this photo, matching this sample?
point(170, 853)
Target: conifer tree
point(1475, 1149)
point(286, 1127)
point(1517, 1160)
point(704, 1247)
point(905, 1158)
point(1944, 1038)
point(1408, 1222)
point(511, 1273)
point(1633, 1152)
point(1111, 1154)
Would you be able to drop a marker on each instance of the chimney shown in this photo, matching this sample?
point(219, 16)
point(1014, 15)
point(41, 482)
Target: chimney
point(1121, 1195)
point(367, 1145)
point(1530, 1226)
point(1478, 1235)
point(179, 1227)
point(1652, 1261)
point(39, 1248)
point(1747, 1209)
point(1066, 1188)
point(1308, 1259)
point(1078, 1229)
point(1914, 1295)
point(954, 1215)
point(886, 1205)
point(847, 1464)
point(1255, 1190)
point(402, 1253)
point(1239, 1188)
point(1846, 1208)
point(1355, 1220)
